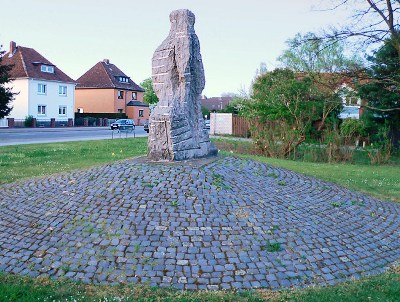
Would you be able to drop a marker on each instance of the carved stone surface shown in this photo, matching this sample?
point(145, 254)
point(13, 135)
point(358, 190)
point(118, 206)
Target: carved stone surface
point(176, 128)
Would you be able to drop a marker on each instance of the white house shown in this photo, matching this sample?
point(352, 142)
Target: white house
point(351, 102)
point(44, 91)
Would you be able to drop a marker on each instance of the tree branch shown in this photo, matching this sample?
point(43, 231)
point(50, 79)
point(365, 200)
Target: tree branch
point(379, 109)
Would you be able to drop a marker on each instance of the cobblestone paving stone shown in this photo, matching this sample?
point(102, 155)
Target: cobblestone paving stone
point(223, 224)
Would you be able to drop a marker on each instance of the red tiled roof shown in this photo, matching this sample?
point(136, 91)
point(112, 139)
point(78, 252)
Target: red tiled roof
point(27, 64)
point(106, 75)
point(216, 103)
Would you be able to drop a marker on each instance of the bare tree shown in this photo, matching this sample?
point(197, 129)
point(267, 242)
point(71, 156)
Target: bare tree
point(373, 21)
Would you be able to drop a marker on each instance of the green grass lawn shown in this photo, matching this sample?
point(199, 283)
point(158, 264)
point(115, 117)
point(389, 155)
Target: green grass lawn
point(381, 181)
point(385, 287)
point(24, 161)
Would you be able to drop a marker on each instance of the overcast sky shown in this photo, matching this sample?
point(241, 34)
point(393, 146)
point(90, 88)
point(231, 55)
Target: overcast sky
point(235, 36)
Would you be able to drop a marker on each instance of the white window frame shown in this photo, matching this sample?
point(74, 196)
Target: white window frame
point(47, 68)
point(120, 110)
point(123, 80)
point(80, 110)
point(141, 113)
point(42, 88)
point(134, 95)
point(42, 110)
point(61, 109)
point(351, 101)
point(62, 90)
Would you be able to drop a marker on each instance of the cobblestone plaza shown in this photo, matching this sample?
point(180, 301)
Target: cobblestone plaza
point(219, 223)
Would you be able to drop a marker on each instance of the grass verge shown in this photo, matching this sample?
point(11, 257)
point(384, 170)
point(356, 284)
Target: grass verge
point(385, 287)
point(24, 161)
point(382, 181)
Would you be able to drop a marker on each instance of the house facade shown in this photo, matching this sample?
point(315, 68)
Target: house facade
point(215, 103)
point(351, 102)
point(104, 88)
point(44, 91)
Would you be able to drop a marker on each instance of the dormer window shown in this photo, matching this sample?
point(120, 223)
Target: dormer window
point(123, 79)
point(47, 68)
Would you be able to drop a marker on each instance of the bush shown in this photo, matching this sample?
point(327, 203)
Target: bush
point(276, 139)
point(28, 121)
point(352, 128)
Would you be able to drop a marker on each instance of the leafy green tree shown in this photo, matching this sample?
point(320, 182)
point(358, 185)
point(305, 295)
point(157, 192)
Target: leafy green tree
point(149, 96)
point(381, 90)
point(205, 112)
point(237, 105)
point(308, 53)
point(281, 95)
point(326, 64)
point(284, 106)
point(6, 94)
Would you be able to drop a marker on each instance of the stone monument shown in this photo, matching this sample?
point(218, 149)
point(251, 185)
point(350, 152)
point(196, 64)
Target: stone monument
point(176, 127)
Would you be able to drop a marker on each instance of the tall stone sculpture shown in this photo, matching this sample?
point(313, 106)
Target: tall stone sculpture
point(176, 128)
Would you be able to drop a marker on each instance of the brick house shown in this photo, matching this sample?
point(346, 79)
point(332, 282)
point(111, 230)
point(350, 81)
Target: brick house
point(215, 103)
point(44, 91)
point(104, 88)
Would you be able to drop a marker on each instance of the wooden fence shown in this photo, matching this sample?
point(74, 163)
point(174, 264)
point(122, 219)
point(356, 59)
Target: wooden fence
point(240, 126)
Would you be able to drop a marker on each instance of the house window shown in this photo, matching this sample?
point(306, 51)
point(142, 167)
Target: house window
point(41, 110)
point(141, 112)
point(47, 68)
point(80, 110)
point(62, 110)
point(62, 90)
point(351, 101)
point(124, 79)
point(120, 110)
point(120, 94)
point(42, 88)
point(134, 96)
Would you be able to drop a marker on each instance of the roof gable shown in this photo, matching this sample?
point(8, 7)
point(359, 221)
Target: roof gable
point(106, 75)
point(27, 62)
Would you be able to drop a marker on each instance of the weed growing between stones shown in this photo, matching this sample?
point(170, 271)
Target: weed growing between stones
point(217, 181)
point(272, 247)
point(357, 203)
point(336, 204)
point(273, 175)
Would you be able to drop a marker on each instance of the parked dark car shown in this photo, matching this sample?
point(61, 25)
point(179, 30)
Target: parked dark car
point(123, 124)
point(146, 126)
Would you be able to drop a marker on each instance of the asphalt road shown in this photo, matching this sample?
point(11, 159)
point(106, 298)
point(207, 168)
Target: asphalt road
point(18, 136)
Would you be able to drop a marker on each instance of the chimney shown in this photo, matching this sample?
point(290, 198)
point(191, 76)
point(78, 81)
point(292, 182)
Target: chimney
point(107, 61)
point(13, 48)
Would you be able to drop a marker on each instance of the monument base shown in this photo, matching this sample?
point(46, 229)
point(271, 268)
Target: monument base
point(174, 139)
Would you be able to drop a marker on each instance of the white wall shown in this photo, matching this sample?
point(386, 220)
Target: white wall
point(221, 123)
point(52, 100)
point(20, 102)
point(3, 123)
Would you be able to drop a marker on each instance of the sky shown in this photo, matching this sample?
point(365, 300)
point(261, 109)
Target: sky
point(235, 36)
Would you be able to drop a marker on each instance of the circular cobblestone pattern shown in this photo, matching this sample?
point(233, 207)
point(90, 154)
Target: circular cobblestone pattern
point(222, 224)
